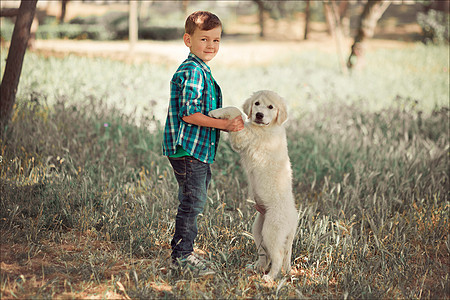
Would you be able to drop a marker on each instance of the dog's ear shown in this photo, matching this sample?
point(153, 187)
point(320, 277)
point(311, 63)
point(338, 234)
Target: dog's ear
point(247, 107)
point(282, 115)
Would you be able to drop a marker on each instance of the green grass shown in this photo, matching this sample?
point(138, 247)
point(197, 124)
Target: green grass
point(417, 74)
point(370, 179)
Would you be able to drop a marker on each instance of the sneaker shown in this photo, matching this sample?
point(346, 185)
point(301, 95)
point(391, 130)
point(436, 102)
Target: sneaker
point(195, 264)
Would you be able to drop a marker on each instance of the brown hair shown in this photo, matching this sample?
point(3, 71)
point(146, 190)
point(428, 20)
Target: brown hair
point(202, 20)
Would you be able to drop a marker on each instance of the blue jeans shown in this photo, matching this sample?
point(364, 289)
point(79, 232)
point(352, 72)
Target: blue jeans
point(193, 178)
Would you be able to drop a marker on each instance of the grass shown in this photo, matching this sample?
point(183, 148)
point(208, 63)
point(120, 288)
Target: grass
point(88, 202)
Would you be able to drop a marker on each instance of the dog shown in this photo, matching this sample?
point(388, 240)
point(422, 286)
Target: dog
point(262, 146)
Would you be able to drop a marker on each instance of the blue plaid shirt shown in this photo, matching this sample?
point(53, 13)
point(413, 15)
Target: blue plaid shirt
point(192, 90)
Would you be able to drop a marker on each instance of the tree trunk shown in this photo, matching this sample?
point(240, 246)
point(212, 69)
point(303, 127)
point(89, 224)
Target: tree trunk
point(260, 4)
point(373, 10)
point(63, 11)
point(344, 19)
point(307, 18)
point(334, 25)
point(185, 4)
point(329, 17)
point(13, 68)
point(133, 25)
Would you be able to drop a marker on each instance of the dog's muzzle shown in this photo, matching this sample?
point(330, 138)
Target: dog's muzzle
point(259, 117)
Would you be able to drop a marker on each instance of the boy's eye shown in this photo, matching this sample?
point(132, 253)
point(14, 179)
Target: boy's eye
point(256, 103)
point(270, 106)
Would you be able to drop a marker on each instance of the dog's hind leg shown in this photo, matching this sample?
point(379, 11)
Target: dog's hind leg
point(275, 237)
point(263, 261)
point(288, 244)
point(275, 252)
point(288, 254)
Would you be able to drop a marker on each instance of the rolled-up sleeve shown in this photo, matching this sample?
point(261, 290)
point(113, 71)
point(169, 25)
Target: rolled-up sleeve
point(191, 93)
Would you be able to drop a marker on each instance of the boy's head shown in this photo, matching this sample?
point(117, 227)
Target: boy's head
point(202, 20)
point(203, 32)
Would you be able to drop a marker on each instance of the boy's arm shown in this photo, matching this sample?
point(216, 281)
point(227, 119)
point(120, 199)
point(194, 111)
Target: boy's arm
point(200, 119)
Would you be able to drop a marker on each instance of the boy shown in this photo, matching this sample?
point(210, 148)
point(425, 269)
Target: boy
point(190, 136)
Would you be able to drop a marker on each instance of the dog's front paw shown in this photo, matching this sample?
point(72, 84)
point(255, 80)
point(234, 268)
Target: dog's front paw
point(230, 112)
point(219, 113)
point(268, 279)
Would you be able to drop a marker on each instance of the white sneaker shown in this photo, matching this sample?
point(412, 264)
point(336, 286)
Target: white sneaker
point(195, 264)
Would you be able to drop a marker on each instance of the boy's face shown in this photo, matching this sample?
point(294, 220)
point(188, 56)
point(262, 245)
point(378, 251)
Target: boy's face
point(204, 44)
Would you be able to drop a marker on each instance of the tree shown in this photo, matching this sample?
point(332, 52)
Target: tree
point(260, 4)
point(373, 10)
point(307, 18)
point(333, 18)
point(133, 30)
point(13, 68)
point(63, 11)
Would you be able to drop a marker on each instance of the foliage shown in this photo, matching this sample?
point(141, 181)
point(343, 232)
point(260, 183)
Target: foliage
point(111, 26)
point(435, 26)
point(71, 31)
point(84, 184)
point(6, 29)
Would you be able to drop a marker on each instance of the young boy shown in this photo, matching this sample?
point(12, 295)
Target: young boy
point(190, 136)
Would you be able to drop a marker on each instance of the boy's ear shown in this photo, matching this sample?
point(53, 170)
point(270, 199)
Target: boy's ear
point(187, 39)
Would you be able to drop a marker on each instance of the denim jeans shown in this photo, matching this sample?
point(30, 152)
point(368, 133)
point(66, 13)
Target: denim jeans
point(193, 178)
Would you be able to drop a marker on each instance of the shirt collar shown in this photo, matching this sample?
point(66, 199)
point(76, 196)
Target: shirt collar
point(201, 62)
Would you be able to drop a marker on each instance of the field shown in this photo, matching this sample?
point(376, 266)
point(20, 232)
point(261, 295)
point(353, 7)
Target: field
point(88, 203)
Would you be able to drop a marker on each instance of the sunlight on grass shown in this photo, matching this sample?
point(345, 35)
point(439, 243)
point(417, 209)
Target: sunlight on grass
point(306, 79)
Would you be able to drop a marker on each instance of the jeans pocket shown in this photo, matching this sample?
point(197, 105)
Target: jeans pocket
point(178, 165)
point(180, 170)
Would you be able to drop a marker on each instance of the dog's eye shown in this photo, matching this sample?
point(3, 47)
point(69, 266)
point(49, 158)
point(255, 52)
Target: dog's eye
point(256, 103)
point(270, 106)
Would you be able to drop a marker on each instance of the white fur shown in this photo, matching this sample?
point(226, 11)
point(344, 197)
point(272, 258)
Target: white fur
point(262, 146)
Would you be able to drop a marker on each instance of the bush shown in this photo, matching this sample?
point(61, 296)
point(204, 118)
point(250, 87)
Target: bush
point(160, 33)
point(6, 29)
point(115, 25)
point(435, 26)
point(72, 31)
point(112, 26)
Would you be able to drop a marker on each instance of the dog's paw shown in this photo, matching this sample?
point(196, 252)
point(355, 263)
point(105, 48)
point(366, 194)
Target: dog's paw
point(229, 112)
point(220, 113)
point(250, 268)
point(268, 279)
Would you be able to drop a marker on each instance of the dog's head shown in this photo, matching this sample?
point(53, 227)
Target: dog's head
point(266, 108)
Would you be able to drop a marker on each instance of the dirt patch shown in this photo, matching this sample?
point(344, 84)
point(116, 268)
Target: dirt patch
point(77, 266)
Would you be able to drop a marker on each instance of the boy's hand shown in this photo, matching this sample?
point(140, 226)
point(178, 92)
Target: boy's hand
point(236, 124)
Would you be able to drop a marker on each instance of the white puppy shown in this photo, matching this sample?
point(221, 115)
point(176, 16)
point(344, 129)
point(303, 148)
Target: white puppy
point(263, 149)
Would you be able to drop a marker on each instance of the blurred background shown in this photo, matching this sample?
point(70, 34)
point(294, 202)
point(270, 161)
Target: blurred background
point(109, 20)
point(292, 41)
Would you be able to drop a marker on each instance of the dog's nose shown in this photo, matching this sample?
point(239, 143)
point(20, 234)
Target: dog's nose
point(259, 115)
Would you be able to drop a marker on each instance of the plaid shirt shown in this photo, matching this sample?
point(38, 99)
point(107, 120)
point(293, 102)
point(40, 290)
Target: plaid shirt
point(192, 90)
